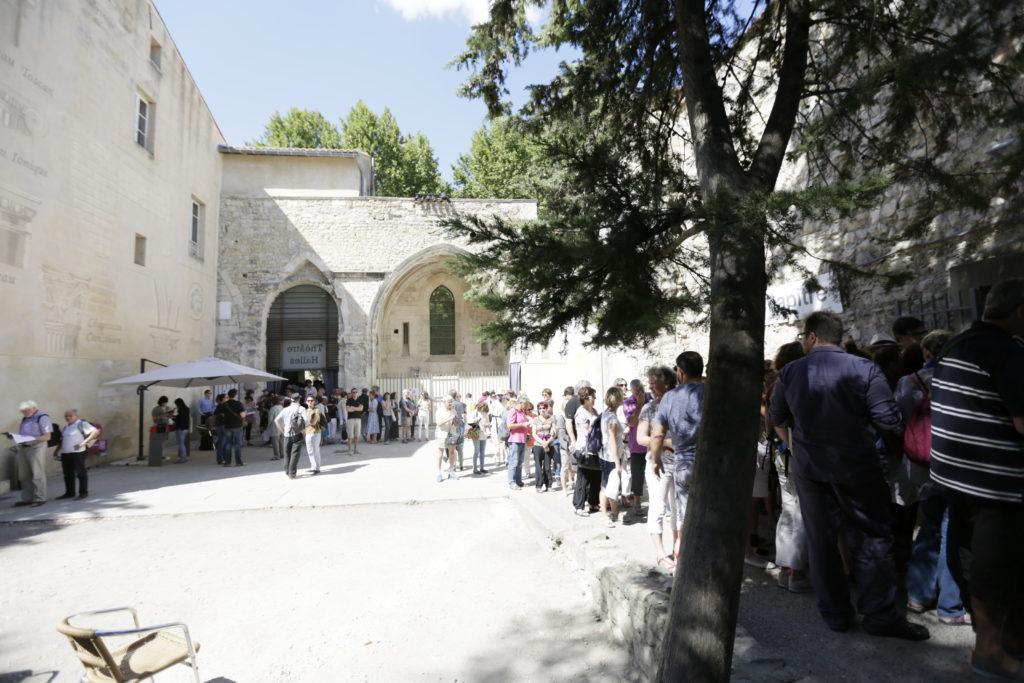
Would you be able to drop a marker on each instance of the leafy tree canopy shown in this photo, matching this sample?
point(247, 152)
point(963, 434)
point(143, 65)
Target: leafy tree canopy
point(502, 162)
point(299, 128)
point(656, 170)
point(403, 165)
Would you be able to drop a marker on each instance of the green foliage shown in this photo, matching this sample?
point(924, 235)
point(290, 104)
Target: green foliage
point(639, 196)
point(502, 162)
point(403, 165)
point(299, 128)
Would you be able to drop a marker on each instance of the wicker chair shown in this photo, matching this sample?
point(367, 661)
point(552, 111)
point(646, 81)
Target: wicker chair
point(159, 648)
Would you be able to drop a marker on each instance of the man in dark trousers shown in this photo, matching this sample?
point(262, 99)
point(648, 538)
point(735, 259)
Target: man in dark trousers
point(834, 401)
point(977, 454)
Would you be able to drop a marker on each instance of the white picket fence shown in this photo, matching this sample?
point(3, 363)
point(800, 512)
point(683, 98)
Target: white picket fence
point(438, 386)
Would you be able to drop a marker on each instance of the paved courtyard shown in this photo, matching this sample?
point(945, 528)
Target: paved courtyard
point(370, 571)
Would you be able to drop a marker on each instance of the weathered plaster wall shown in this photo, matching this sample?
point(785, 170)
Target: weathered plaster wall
point(75, 188)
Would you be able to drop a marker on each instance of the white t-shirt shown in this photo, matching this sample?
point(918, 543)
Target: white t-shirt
point(73, 436)
point(582, 421)
point(442, 422)
point(608, 418)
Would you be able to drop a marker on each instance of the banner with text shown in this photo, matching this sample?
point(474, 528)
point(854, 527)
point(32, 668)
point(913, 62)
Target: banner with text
point(794, 295)
point(303, 355)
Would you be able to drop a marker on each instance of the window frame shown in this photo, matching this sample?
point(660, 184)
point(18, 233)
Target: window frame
point(196, 228)
point(439, 326)
point(140, 240)
point(145, 130)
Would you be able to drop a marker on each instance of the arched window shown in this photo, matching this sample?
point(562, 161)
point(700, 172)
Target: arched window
point(442, 322)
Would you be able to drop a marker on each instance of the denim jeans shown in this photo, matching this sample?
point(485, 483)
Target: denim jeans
point(182, 435)
point(221, 444)
point(928, 578)
point(233, 437)
point(515, 463)
point(479, 449)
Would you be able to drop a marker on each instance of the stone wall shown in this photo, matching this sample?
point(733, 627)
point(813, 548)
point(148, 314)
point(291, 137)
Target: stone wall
point(75, 190)
point(356, 248)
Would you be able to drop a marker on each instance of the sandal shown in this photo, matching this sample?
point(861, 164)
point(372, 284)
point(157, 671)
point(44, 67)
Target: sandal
point(960, 620)
point(916, 608)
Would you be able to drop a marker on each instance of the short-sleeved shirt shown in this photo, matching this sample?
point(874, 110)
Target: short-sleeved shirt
point(206, 405)
point(74, 435)
point(628, 408)
point(581, 423)
point(162, 415)
point(648, 414)
point(543, 426)
point(229, 412)
point(353, 403)
point(977, 390)
point(36, 424)
point(680, 413)
point(516, 416)
point(609, 419)
point(364, 401)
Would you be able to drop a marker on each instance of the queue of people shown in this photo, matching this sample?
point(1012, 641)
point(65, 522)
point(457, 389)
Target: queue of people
point(897, 467)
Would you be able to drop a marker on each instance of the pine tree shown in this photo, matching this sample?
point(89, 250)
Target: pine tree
point(668, 134)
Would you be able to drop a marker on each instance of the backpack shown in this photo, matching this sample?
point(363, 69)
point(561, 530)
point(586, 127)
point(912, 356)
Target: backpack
point(595, 439)
point(298, 421)
point(917, 439)
point(56, 437)
point(502, 429)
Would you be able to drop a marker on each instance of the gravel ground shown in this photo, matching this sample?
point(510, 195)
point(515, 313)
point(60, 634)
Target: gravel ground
point(438, 591)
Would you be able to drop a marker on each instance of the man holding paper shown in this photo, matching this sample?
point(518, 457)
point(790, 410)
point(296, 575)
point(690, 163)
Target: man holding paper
point(30, 453)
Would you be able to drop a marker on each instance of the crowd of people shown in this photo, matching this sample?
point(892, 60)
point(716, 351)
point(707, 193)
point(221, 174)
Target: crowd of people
point(897, 466)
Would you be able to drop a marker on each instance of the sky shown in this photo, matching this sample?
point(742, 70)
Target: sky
point(251, 58)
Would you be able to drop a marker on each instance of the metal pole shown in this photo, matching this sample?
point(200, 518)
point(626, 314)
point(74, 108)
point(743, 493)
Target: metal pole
point(142, 404)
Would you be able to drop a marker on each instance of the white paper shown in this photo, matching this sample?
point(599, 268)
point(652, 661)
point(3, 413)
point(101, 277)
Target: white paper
point(19, 439)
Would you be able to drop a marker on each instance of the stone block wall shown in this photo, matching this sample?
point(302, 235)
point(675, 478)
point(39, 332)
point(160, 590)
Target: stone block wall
point(357, 248)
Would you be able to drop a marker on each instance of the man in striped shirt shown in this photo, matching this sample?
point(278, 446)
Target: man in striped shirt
point(977, 405)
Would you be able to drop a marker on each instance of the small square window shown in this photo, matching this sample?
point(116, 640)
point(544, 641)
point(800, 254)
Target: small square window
point(485, 348)
point(140, 250)
point(155, 54)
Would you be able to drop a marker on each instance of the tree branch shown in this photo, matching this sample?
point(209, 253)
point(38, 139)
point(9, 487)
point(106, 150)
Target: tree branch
point(772, 149)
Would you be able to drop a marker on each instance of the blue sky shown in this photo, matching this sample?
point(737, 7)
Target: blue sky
point(253, 57)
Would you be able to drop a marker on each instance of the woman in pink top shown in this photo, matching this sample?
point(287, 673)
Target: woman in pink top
point(518, 427)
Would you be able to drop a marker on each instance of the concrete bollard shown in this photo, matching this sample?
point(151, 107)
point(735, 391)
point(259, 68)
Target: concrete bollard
point(156, 448)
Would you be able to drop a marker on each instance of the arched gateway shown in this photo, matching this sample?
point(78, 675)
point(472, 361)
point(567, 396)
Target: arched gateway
point(302, 335)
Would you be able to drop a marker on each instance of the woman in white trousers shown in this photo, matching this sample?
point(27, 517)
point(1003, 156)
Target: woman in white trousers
point(661, 486)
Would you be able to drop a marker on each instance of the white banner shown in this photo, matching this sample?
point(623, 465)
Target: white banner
point(794, 295)
point(306, 354)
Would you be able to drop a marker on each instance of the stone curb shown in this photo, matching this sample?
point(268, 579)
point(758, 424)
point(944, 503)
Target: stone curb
point(632, 598)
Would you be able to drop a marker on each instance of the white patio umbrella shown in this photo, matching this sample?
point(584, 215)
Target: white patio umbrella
point(194, 373)
point(200, 372)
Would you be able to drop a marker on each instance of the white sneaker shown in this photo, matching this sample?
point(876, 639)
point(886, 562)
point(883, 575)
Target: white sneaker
point(752, 560)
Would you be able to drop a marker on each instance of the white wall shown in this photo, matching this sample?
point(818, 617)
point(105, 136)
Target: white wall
point(77, 188)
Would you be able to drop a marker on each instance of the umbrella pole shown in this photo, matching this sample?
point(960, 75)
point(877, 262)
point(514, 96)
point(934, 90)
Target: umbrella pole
point(142, 404)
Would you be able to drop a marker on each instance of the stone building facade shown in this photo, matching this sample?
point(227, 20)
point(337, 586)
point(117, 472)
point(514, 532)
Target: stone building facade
point(380, 259)
point(109, 201)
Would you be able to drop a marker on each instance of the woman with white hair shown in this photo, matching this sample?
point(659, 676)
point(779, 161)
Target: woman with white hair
point(444, 420)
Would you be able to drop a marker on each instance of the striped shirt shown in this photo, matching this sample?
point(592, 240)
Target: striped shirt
point(977, 389)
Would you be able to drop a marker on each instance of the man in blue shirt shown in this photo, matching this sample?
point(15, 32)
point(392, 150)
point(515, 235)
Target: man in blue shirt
point(30, 453)
point(834, 402)
point(679, 415)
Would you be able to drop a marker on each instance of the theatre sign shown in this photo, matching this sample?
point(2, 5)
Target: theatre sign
point(801, 302)
point(303, 355)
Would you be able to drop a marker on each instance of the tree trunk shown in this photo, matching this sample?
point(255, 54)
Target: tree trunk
point(705, 593)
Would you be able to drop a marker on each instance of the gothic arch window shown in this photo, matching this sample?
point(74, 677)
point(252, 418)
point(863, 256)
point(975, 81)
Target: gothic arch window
point(442, 322)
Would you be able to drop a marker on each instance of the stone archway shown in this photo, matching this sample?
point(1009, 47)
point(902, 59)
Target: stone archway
point(303, 328)
point(402, 324)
